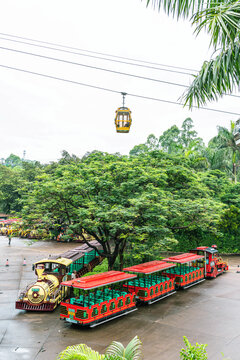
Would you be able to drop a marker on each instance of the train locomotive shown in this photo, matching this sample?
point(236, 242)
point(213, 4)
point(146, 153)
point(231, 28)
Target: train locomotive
point(213, 263)
point(45, 293)
point(99, 298)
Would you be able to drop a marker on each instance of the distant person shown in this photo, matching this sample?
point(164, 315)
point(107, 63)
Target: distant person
point(74, 274)
point(9, 239)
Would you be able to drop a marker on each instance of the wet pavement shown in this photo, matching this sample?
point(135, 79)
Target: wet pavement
point(206, 313)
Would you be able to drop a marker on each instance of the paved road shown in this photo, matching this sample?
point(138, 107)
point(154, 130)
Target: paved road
point(206, 313)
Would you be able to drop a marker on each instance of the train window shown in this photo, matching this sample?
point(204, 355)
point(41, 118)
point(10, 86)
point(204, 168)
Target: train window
point(54, 267)
point(103, 309)
point(80, 314)
point(47, 267)
point(161, 288)
point(190, 277)
point(166, 286)
point(170, 284)
point(128, 300)
point(156, 290)
point(186, 278)
point(151, 292)
point(95, 312)
point(120, 303)
point(112, 306)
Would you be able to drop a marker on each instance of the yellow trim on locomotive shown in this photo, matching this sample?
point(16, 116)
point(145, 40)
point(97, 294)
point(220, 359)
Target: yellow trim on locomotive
point(60, 261)
point(43, 291)
point(47, 287)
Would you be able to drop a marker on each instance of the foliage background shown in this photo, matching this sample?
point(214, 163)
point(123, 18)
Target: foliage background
point(170, 193)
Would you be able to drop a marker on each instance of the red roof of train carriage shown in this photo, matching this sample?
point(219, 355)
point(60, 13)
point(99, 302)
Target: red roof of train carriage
point(150, 267)
point(184, 258)
point(8, 221)
point(95, 281)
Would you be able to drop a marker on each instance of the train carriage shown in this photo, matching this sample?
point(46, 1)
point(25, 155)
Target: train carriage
point(151, 285)
point(45, 293)
point(98, 298)
point(189, 270)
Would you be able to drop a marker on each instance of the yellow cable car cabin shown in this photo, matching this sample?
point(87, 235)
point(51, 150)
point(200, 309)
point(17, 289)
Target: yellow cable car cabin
point(123, 119)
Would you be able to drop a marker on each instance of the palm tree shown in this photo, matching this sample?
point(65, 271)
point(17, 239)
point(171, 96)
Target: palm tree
point(80, 352)
point(220, 19)
point(117, 351)
point(225, 151)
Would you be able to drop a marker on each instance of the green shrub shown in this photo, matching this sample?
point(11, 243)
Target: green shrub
point(103, 267)
point(193, 352)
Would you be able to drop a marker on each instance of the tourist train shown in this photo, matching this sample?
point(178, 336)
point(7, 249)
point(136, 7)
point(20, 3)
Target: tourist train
point(45, 293)
point(96, 299)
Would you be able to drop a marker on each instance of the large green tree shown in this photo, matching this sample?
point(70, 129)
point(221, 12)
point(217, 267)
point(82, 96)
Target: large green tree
point(220, 19)
point(11, 182)
point(137, 202)
point(175, 140)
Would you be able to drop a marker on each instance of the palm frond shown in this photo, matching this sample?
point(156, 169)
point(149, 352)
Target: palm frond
point(80, 352)
point(178, 8)
point(219, 17)
point(221, 21)
point(131, 352)
point(116, 349)
point(216, 78)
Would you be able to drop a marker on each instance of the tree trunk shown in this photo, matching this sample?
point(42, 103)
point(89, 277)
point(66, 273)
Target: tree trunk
point(111, 261)
point(235, 173)
point(121, 258)
point(121, 255)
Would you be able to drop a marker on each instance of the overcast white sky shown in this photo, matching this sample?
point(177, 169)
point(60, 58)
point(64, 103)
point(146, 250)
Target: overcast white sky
point(44, 116)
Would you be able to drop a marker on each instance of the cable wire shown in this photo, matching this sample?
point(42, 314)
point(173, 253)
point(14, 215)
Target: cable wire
point(95, 52)
point(97, 57)
point(113, 91)
point(92, 67)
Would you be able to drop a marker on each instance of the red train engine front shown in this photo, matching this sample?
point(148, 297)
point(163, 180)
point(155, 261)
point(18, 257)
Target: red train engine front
point(214, 264)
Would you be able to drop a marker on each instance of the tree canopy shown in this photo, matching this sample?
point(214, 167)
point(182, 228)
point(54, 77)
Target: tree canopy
point(172, 192)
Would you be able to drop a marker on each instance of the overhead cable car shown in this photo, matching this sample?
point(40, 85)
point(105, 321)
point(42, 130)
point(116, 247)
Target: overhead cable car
point(123, 119)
